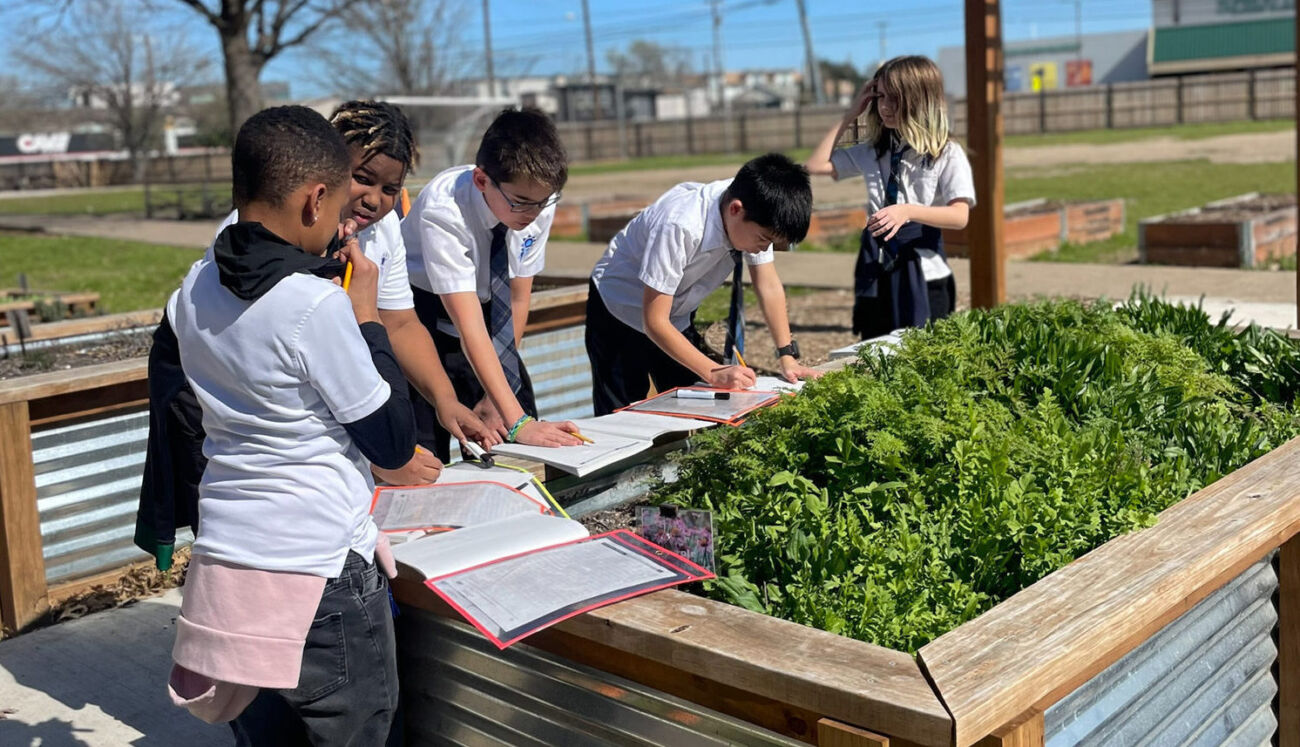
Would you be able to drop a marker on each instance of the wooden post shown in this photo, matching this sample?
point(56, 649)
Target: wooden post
point(1296, 112)
point(1288, 644)
point(984, 139)
point(831, 733)
point(1025, 731)
point(23, 594)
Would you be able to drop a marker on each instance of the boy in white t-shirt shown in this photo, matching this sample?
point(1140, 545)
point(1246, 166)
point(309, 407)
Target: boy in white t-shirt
point(300, 392)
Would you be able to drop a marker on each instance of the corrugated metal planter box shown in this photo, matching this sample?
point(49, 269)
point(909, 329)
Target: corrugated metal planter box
point(1162, 636)
point(1249, 230)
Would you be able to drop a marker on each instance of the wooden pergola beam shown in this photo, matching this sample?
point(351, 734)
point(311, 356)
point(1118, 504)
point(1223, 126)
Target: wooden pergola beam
point(984, 140)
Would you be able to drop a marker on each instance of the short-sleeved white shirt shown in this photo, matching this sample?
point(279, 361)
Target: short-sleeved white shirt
point(678, 246)
point(382, 244)
point(285, 488)
point(922, 181)
point(448, 235)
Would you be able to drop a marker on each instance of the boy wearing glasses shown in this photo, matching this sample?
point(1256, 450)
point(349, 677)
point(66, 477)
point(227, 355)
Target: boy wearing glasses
point(475, 238)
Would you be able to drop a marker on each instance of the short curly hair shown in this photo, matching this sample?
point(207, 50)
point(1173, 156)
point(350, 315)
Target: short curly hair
point(282, 148)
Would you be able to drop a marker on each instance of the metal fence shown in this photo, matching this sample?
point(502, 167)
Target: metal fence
point(1218, 97)
point(88, 474)
point(459, 690)
point(1206, 678)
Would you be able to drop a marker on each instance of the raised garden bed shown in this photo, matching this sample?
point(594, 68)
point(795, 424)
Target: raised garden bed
point(1250, 230)
point(597, 221)
point(47, 306)
point(1042, 225)
point(1030, 441)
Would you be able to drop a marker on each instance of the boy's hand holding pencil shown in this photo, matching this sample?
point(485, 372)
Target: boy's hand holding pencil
point(732, 377)
point(361, 281)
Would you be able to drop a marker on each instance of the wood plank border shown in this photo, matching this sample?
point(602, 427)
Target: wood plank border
point(23, 594)
point(778, 674)
point(1042, 643)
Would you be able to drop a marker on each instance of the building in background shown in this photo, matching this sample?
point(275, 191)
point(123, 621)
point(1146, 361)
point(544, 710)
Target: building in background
point(1058, 62)
point(1203, 36)
point(1186, 37)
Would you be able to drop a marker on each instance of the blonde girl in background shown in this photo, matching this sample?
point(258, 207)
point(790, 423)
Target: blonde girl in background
point(918, 182)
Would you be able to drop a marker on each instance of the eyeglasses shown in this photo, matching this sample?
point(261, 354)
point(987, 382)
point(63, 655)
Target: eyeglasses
point(524, 206)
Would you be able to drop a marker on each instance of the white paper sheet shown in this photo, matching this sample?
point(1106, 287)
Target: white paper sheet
point(579, 460)
point(449, 505)
point(641, 425)
point(775, 384)
point(470, 471)
point(448, 552)
point(508, 595)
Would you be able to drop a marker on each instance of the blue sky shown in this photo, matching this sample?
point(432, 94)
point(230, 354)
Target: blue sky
point(545, 36)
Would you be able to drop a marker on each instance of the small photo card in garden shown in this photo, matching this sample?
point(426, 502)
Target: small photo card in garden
point(686, 531)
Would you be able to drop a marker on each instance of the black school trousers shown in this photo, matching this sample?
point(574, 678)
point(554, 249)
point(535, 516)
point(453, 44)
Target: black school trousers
point(625, 361)
point(428, 431)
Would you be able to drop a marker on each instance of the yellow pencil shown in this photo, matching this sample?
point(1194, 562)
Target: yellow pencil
point(347, 276)
point(584, 438)
point(738, 358)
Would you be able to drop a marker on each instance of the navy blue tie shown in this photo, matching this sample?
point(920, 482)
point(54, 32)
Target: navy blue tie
point(501, 326)
point(735, 314)
point(889, 251)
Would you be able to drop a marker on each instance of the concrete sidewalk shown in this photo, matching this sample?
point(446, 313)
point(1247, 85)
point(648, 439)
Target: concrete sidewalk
point(100, 681)
point(1267, 297)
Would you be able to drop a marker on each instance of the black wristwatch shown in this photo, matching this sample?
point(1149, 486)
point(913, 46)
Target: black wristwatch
point(791, 350)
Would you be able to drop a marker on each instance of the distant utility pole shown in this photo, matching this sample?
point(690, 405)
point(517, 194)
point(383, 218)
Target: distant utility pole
point(487, 51)
point(591, 63)
point(881, 25)
point(717, 51)
point(1078, 27)
point(814, 70)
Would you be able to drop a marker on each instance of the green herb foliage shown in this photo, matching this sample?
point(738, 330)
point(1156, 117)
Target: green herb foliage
point(896, 499)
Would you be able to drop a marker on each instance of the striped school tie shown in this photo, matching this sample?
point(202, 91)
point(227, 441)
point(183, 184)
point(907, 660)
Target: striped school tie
point(889, 251)
point(735, 314)
point(501, 327)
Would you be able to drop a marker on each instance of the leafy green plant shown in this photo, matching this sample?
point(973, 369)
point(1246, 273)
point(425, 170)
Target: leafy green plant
point(894, 500)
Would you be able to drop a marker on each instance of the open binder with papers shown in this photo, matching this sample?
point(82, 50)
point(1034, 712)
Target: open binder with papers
point(509, 565)
point(725, 406)
point(615, 438)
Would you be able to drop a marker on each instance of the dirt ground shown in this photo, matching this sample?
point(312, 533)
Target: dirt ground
point(1242, 148)
point(120, 346)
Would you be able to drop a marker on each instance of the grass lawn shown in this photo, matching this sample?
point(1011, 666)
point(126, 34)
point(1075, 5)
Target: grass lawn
point(106, 202)
point(1148, 189)
point(128, 276)
point(1198, 131)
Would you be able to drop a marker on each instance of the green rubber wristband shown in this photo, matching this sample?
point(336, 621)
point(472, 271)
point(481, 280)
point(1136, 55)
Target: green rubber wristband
point(514, 429)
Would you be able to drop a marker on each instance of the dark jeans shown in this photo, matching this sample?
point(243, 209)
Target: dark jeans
point(347, 691)
point(624, 361)
point(871, 316)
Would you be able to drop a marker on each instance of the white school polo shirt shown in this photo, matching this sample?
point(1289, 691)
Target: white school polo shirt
point(921, 182)
point(448, 235)
point(677, 246)
point(285, 489)
point(382, 244)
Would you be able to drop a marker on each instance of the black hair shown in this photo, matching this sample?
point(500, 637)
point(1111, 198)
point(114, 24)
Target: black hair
point(776, 194)
point(377, 127)
point(280, 149)
point(523, 144)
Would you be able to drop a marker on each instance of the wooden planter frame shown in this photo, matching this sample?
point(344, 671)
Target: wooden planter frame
point(989, 681)
point(1246, 242)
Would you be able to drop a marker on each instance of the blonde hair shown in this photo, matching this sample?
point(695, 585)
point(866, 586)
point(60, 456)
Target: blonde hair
point(917, 85)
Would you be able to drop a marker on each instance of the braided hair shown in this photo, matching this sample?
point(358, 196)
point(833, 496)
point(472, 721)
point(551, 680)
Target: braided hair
point(377, 127)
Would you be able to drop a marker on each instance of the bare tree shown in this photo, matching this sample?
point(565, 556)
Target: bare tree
point(650, 61)
point(253, 32)
point(415, 46)
point(106, 58)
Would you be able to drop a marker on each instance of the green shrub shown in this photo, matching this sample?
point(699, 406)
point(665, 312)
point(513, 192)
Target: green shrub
point(896, 499)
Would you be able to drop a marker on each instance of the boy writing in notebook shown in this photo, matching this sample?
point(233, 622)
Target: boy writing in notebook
point(647, 286)
point(300, 393)
point(475, 238)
